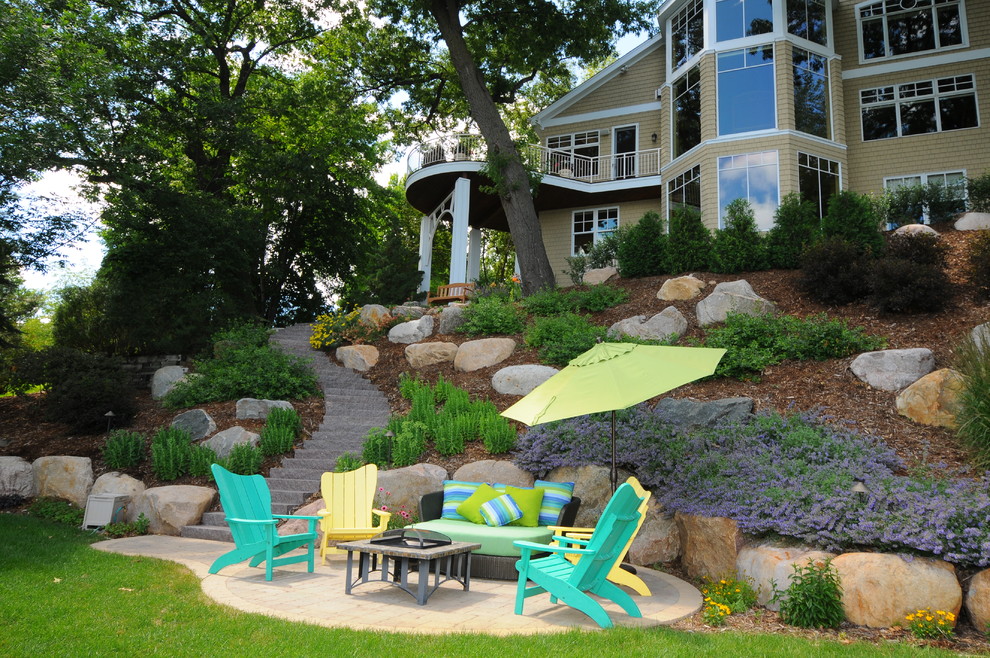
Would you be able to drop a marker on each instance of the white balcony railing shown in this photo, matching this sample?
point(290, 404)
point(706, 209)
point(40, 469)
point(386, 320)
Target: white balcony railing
point(550, 162)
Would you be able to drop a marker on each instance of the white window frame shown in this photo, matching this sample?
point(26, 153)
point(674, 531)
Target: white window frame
point(773, 92)
point(874, 8)
point(597, 232)
point(679, 182)
point(690, 10)
point(924, 179)
point(747, 168)
point(895, 95)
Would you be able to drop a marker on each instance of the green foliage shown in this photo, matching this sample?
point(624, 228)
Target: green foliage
point(796, 226)
point(641, 247)
point(576, 267)
point(835, 271)
point(604, 251)
point(925, 624)
point(688, 242)
point(554, 301)
point(408, 385)
point(331, 330)
point(978, 264)
point(560, 338)
point(978, 192)
point(171, 450)
point(600, 297)
point(243, 368)
point(201, 458)
point(908, 204)
point(911, 275)
point(755, 342)
point(377, 448)
point(123, 450)
point(852, 217)
point(348, 462)
point(739, 246)
point(497, 434)
point(972, 361)
point(244, 459)
point(284, 417)
point(490, 316)
point(58, 510)
point(814, 597)
point(387, 273)
point(409, 444)
point(139, 527)
point(736, 594)
point(276, 440)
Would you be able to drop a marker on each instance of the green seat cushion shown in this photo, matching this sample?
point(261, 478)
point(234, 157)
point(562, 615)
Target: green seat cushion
point(470, 509)
point(529, 502)
point(493, 540)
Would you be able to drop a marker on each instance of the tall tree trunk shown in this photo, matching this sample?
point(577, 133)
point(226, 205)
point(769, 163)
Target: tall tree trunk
point(517, 198)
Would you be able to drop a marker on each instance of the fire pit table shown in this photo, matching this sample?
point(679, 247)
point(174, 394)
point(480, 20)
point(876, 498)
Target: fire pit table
point(403, 549)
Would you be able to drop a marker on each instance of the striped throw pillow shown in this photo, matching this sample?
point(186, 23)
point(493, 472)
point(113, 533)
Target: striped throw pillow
point(500, 511)
point(456, 492)
point(555, 496)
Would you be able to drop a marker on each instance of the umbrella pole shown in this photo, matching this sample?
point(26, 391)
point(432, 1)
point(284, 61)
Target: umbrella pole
point(615, 472)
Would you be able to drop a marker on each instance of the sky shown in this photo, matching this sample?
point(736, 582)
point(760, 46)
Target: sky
point(84, 256)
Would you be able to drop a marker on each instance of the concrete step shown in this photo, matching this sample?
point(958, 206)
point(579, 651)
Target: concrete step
point(308, 485)
point(214, 518)
point(211, 532)
point(286, 472)
point(296, 498)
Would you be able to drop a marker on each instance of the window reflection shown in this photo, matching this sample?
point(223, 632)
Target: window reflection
point(687, 111)
point(811, 94)
point(752, 176)
point(807, 19)
point(746, 99)
point(735, 19)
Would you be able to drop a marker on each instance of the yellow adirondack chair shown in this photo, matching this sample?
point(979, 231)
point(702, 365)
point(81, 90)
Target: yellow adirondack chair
point(348, 500)
point(617, 575)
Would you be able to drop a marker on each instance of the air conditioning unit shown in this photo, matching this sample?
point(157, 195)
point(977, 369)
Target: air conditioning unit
point(102, 509)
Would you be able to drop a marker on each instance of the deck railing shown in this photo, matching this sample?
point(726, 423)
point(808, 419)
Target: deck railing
point(552, 162)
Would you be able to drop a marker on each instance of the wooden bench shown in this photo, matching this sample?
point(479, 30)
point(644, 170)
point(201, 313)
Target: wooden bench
point(453, 292)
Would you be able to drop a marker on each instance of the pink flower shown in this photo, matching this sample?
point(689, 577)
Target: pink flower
point(384, 508)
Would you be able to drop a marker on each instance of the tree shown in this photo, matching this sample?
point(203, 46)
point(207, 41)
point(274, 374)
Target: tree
point(495, 48)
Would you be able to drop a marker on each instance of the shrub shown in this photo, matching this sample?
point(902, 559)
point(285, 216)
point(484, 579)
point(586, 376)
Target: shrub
point(170, 453)
point(814, 597)
point(201, 458)
point(550, 301)
point(688, 242)
point(58, 510)
point(560, 338)
point(139, 527)
point(276, 440)
point(640, 251)
point(853, 218)
point(244, 459)
point(927, 625)
point(726, 596)
point(972, 361)
point(123, 450)
point(796, 225)
point(492, 315)
point(576, 267)
point(911, 275)
point(599, 298)
point(348, 462)
point(284, 417)
point(739, 246)
point(603, 252)
point(498, 435)
point(377, 448)
point(330, 329)
point(978, 191)
point(835, 271)
point(978, 261)
point(409, 444)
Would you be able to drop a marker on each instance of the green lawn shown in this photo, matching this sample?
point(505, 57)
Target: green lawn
point(58, 597)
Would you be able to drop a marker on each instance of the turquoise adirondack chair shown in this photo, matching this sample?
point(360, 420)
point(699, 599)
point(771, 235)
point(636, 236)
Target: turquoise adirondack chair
point(570, 582)
point(247, 503)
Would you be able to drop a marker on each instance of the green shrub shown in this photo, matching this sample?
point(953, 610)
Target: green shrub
point(201, 458)
point(814, 597)
point(978, 264)
point(796, 225)
point(244, 459)
point(550, 301)
point(58, 510)
point(284, 417)
point(739, 246)
point(972, 361)
point(139, 527)
point(492, 315)
point(560, 338)
point(978, 191)
point(736, 594)
point(409, 444)
point(602, 253)
point(348, 462)
point(497, 434)
point(599, 298)
point(409, 384)
point(123, 450)
point(170, 453)
point(641, 247)
point(276, 440)
point(911, 275)
point(852, 217)
point(576, 267)
point(835, 271)
point(688, 242)
point(424, 406)
point(448, 439)
point(377, 447)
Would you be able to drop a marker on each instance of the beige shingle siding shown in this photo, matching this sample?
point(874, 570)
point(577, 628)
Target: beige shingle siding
point(637, 85)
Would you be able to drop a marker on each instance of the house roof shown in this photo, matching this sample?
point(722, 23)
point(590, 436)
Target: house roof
point(594, 82)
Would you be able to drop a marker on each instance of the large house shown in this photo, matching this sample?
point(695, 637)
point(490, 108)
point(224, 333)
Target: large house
point(738, 98)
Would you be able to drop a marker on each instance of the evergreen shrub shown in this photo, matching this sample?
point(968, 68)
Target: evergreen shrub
point(796, 226)
point(276, 440)
point(201, 458)
point(170, 453)
point(738, 247)
point(640, 249)
point(492, 316)
point(835, 271)
point(911, 275)
point(978, 192)
point(688, 242)
point(560, 338)
point(244, 459)
point(284, 417)
point(123, 450)
point(853, 217)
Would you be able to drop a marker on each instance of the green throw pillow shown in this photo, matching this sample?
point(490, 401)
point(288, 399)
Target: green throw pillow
point(529, 502)
point(470, 509)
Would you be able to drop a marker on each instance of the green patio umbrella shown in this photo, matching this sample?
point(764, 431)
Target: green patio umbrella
point(613, 376)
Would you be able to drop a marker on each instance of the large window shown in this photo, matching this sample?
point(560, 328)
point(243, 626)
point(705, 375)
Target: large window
point(807, 19)
point(818, 180)
point(735, 19)
point(954, 181)
point(687, 111)
point(746, 100)
point(584, 145)
point(685, 190)
point(888, 28)
point(916, 108)
point(687, 33)
point(590, 226)
point(811, 98)
point(752, 176)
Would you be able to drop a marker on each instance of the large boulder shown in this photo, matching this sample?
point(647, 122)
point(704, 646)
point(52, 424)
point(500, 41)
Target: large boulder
point(361, 358)
point(593, 485)
point(770, 565)
point(296, 526)
point(373, 315)
point(16, 477)
point(68, 478)
point(693, 414)
point(658, 539)
point(915, 229)
point(405, 486)
point(978, 600)
point(451, 317)
point(412, 331)
point(169, 508)
point(892, 370)
point(421, 355)
point(680, 288)
point(250, 408)
point(165, 379)
point(599, 275)
point(222, 443)
point(973, 221)
point(520, 380)
point(880, 589)
point(709, 545)
point(476, 354)
point(663, 325)
point(933, 399)
point(408, 311)
point(731, 297)
point(196, 422)
point(494, 471)
point(118, 483)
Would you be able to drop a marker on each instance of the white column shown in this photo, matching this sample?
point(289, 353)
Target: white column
point(474, 254)
point(427, 229)
point(458, 241)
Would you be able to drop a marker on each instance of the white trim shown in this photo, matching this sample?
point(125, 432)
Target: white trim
point(963, 27)
point(653, 106)
point(691, 155)
point(460, 167)
point(595, 188)
point(773, 95)
point(924, 62)
point(594, 227)
point(616, 154)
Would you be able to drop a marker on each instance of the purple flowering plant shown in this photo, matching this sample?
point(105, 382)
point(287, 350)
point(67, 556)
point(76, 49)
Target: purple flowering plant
point(782, 475)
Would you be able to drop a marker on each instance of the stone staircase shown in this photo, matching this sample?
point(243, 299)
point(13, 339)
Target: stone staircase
point(353, 406)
